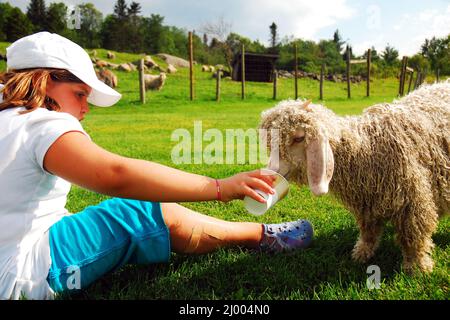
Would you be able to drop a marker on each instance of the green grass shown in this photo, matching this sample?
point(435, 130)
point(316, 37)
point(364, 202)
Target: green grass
point(323, 271)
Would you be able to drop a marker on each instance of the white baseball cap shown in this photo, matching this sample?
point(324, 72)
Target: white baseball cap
point(50, 50)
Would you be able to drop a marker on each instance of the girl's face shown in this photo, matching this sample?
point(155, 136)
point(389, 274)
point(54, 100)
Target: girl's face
point(71, 97)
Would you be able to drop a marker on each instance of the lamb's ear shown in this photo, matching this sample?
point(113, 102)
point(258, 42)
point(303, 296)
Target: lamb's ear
point(319, 164)
point(306, 105)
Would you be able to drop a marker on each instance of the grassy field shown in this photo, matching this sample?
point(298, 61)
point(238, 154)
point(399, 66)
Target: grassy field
point(323, 271)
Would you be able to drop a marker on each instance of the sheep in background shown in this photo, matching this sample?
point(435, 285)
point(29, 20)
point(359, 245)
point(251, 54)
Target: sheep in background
point(390, 163)
point(101, 63)
point(149, 62)
point(154, 82)
point(107, 76)
point(110, 55)
point(171, 69)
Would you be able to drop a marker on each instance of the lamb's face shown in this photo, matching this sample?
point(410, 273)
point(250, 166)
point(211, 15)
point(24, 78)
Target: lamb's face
point(298, 149)
point(287, 149)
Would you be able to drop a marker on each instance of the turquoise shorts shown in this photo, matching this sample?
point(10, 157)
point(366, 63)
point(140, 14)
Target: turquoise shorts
point(102, 238)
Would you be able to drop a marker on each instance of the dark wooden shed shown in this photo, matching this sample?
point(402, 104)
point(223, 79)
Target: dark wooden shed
point(258, 67)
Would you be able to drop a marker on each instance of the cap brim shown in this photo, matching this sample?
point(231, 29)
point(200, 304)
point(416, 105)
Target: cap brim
point(101, 95)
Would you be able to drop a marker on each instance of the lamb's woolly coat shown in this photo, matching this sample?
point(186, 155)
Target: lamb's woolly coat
point(390, 163)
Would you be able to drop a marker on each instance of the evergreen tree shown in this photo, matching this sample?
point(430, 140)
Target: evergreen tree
point(121, 10)
point(337, 39)
point(134, 26)
point(134, 9)
point(273, 37)
point(116, 29)
point(37, 14)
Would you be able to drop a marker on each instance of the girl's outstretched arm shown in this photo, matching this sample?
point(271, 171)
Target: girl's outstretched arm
point(78, 160)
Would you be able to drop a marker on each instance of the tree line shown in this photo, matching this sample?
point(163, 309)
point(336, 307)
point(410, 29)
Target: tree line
point(127, 30)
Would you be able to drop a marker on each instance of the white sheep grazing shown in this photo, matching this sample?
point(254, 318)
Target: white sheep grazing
point(154, 82)
point(110, 55)
point(392, 163)
point(107, 76)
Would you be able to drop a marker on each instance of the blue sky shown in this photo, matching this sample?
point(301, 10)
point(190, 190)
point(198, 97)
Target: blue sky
point(401, 23)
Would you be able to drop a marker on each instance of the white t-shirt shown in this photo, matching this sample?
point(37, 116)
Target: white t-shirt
point(31, 199)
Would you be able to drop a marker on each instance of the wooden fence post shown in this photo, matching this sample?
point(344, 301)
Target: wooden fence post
point(368, 72)
point(243, 72)
point(191, 65)
point(219, 74)
point(322, 70)
point(348, 73)
point(410, 81)
point(141, 81)
point(401, 77)
point(296, 71)
point(416, 83)
point(275, 78)
point(401, 88)
point(423, 77)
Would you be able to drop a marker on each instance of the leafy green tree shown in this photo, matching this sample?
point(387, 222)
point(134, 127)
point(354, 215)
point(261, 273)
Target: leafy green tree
point(56, 18)
point(330, 56)
point(107, 35)
point(37, 14)
point(436, 51)
point(91, 22)
point(374, 57)
point(419, 62)
point(390, 55)
point(17, 25)
point(154, 34)
point(116, 29)
point(5, 11)
point(174, 41)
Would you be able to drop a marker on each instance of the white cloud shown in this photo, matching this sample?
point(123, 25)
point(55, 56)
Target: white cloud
point(428, 24)
point(300, 18)
point(408, 32)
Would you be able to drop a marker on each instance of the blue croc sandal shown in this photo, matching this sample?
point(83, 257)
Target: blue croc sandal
point(286, 236)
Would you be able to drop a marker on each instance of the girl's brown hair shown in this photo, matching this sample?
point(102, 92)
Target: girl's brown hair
point(28, 88)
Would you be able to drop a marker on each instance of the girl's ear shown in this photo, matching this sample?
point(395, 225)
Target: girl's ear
point(319, 164)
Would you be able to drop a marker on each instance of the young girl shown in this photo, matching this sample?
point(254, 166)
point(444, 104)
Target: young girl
point(43, 149)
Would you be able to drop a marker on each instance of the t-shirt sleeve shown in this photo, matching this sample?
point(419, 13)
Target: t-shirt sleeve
point(45, 128)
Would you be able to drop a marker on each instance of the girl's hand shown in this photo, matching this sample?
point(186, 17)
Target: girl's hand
point(244, 183)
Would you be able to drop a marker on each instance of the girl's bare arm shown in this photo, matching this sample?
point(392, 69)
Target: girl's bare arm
point(78, 160)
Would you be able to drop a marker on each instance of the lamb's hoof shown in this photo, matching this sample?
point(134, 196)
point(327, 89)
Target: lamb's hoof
point(362, 252)
point(422, 265)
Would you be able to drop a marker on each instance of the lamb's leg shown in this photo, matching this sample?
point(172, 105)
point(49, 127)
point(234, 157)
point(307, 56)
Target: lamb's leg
point(414, 233)
point(369, 239)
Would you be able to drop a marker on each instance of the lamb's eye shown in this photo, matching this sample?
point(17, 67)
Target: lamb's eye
point(298, 139)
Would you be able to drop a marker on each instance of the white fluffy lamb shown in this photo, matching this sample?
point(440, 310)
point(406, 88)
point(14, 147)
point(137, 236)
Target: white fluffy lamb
point(392, 163)
point(154, 82)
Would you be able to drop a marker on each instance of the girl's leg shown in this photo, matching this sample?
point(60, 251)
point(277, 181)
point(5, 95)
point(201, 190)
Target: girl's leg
point(193, 232)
